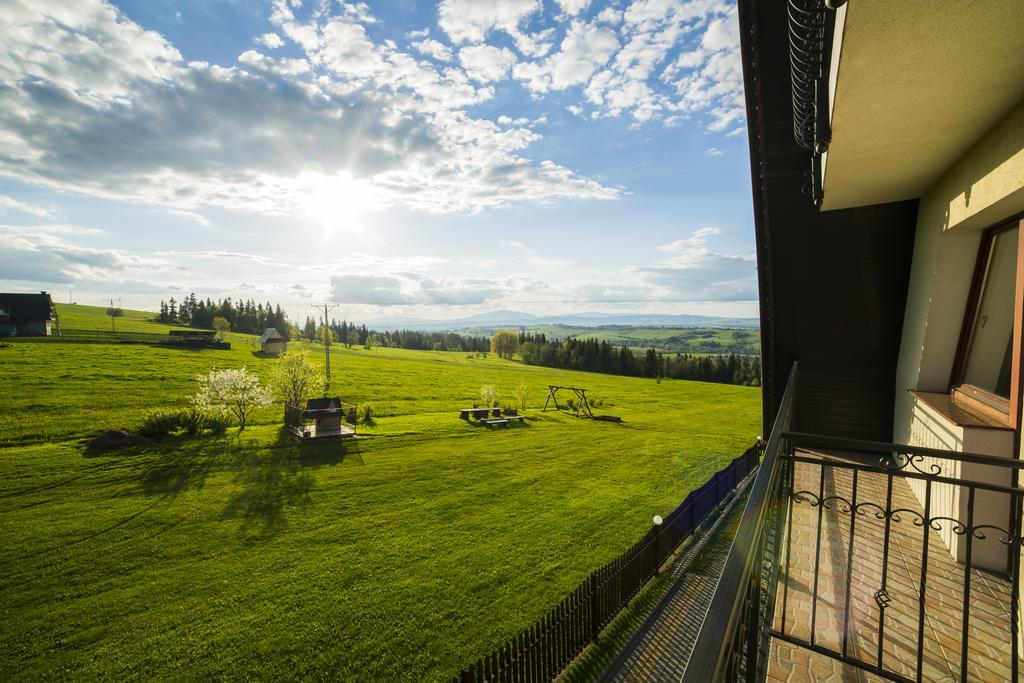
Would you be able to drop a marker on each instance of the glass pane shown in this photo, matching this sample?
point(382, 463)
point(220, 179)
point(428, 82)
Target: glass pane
point(991, 346)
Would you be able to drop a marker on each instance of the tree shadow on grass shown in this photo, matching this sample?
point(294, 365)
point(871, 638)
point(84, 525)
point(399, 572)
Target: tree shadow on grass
point(276, 481)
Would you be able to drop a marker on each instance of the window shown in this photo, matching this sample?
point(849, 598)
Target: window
point(989, 345)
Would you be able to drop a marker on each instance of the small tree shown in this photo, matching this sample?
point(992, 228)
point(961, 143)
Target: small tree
point(505, 343)
point(522, 393)
point(237, 393)
point(221, 326)
point(324, 334)
point(295, 378)
point(489, 393)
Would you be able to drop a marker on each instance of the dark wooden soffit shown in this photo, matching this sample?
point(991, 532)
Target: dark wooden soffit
point(832, 284)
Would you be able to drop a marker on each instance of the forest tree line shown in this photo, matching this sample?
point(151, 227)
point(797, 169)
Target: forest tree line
point(592, 355)
point(351, 334)
point(247, 317)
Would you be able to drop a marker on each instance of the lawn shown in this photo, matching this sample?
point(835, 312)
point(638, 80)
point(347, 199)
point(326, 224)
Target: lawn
point(400, 556)
point(91, 318)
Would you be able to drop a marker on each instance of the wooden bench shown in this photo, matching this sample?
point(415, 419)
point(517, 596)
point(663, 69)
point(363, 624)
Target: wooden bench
point(495, 421)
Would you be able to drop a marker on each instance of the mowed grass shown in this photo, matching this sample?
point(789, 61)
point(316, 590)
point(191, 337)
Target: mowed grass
point(81, 317)
point(400, 556)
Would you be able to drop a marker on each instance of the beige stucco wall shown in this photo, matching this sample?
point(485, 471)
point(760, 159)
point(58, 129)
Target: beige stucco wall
point(984, 186)
point(933, 430)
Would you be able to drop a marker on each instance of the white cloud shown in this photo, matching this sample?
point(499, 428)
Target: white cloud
point(283, 67)
point(610, 15)
point(713, 152)
point(573, 7)
point(88, 50)
point(127, 118)
point(709, 78)
point(407, 289)
point(470, 21)
point(695, 273)
point(39, 254)
point(12, 204)
point(695, 243)
point(585, 48)
point(434, 49)
point(486, 63)
point(270, 41)
point(667, 60)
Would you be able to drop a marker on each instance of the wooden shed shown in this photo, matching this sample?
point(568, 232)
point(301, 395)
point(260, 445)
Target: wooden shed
point(26, 315)
point(273, 342)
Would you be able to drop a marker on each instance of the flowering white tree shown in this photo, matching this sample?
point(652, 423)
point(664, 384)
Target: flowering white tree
point(231, 392)
point(489, 393)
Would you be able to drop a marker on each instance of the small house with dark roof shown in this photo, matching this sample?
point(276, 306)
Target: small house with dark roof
point(272, 342)
point(25, 315)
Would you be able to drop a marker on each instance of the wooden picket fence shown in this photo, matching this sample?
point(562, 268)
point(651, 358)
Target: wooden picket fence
point(540, 651)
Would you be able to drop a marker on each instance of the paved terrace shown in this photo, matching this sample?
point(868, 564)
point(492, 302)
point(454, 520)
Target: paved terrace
point(990, 597)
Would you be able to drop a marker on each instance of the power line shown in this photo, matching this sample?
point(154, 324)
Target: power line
point(112, 316)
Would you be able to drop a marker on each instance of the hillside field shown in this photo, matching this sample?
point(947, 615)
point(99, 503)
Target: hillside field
point(398, 556)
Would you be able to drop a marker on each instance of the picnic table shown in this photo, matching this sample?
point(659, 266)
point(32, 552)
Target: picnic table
point(489, 416)
point(479, 413)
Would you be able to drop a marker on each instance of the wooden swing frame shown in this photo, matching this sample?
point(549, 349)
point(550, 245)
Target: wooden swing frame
point(581, 394)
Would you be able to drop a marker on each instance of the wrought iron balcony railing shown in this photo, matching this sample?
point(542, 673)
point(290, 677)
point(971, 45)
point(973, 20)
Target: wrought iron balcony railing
point(811, 25)
point(898, 561)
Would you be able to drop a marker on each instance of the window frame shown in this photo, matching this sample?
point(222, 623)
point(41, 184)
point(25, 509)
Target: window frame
point(979, 399)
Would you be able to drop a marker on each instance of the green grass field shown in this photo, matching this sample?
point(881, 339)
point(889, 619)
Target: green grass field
point(92, 318)
point(400, 556)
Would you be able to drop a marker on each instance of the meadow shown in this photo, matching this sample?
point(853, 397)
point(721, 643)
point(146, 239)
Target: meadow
point(398, 556)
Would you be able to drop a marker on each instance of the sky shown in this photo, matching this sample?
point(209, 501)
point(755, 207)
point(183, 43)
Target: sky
point(399, 158)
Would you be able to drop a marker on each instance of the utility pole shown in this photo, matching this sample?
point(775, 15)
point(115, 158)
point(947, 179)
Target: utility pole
point(327, 308)
point(112, 317)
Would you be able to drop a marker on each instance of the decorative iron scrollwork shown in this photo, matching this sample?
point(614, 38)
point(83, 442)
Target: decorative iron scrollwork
point(880, 512)
point(1005, 537)
point(957, 527)
point(916, 518)
point(900, 461)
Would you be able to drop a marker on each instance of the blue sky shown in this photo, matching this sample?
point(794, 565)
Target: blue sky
point(430, 159)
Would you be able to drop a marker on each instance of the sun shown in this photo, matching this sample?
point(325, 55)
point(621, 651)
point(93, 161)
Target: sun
point(337, 201)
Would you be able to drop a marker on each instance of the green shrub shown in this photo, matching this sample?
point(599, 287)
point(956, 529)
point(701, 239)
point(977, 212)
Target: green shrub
point(191, 420)
point(366, 413)
point(158, 423)
point(217, 424)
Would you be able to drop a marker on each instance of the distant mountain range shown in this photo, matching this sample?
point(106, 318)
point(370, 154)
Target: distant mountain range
point(505, 318)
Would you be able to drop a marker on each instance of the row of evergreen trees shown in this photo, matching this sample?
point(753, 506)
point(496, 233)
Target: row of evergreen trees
point(245, 316)
point(600, 356)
